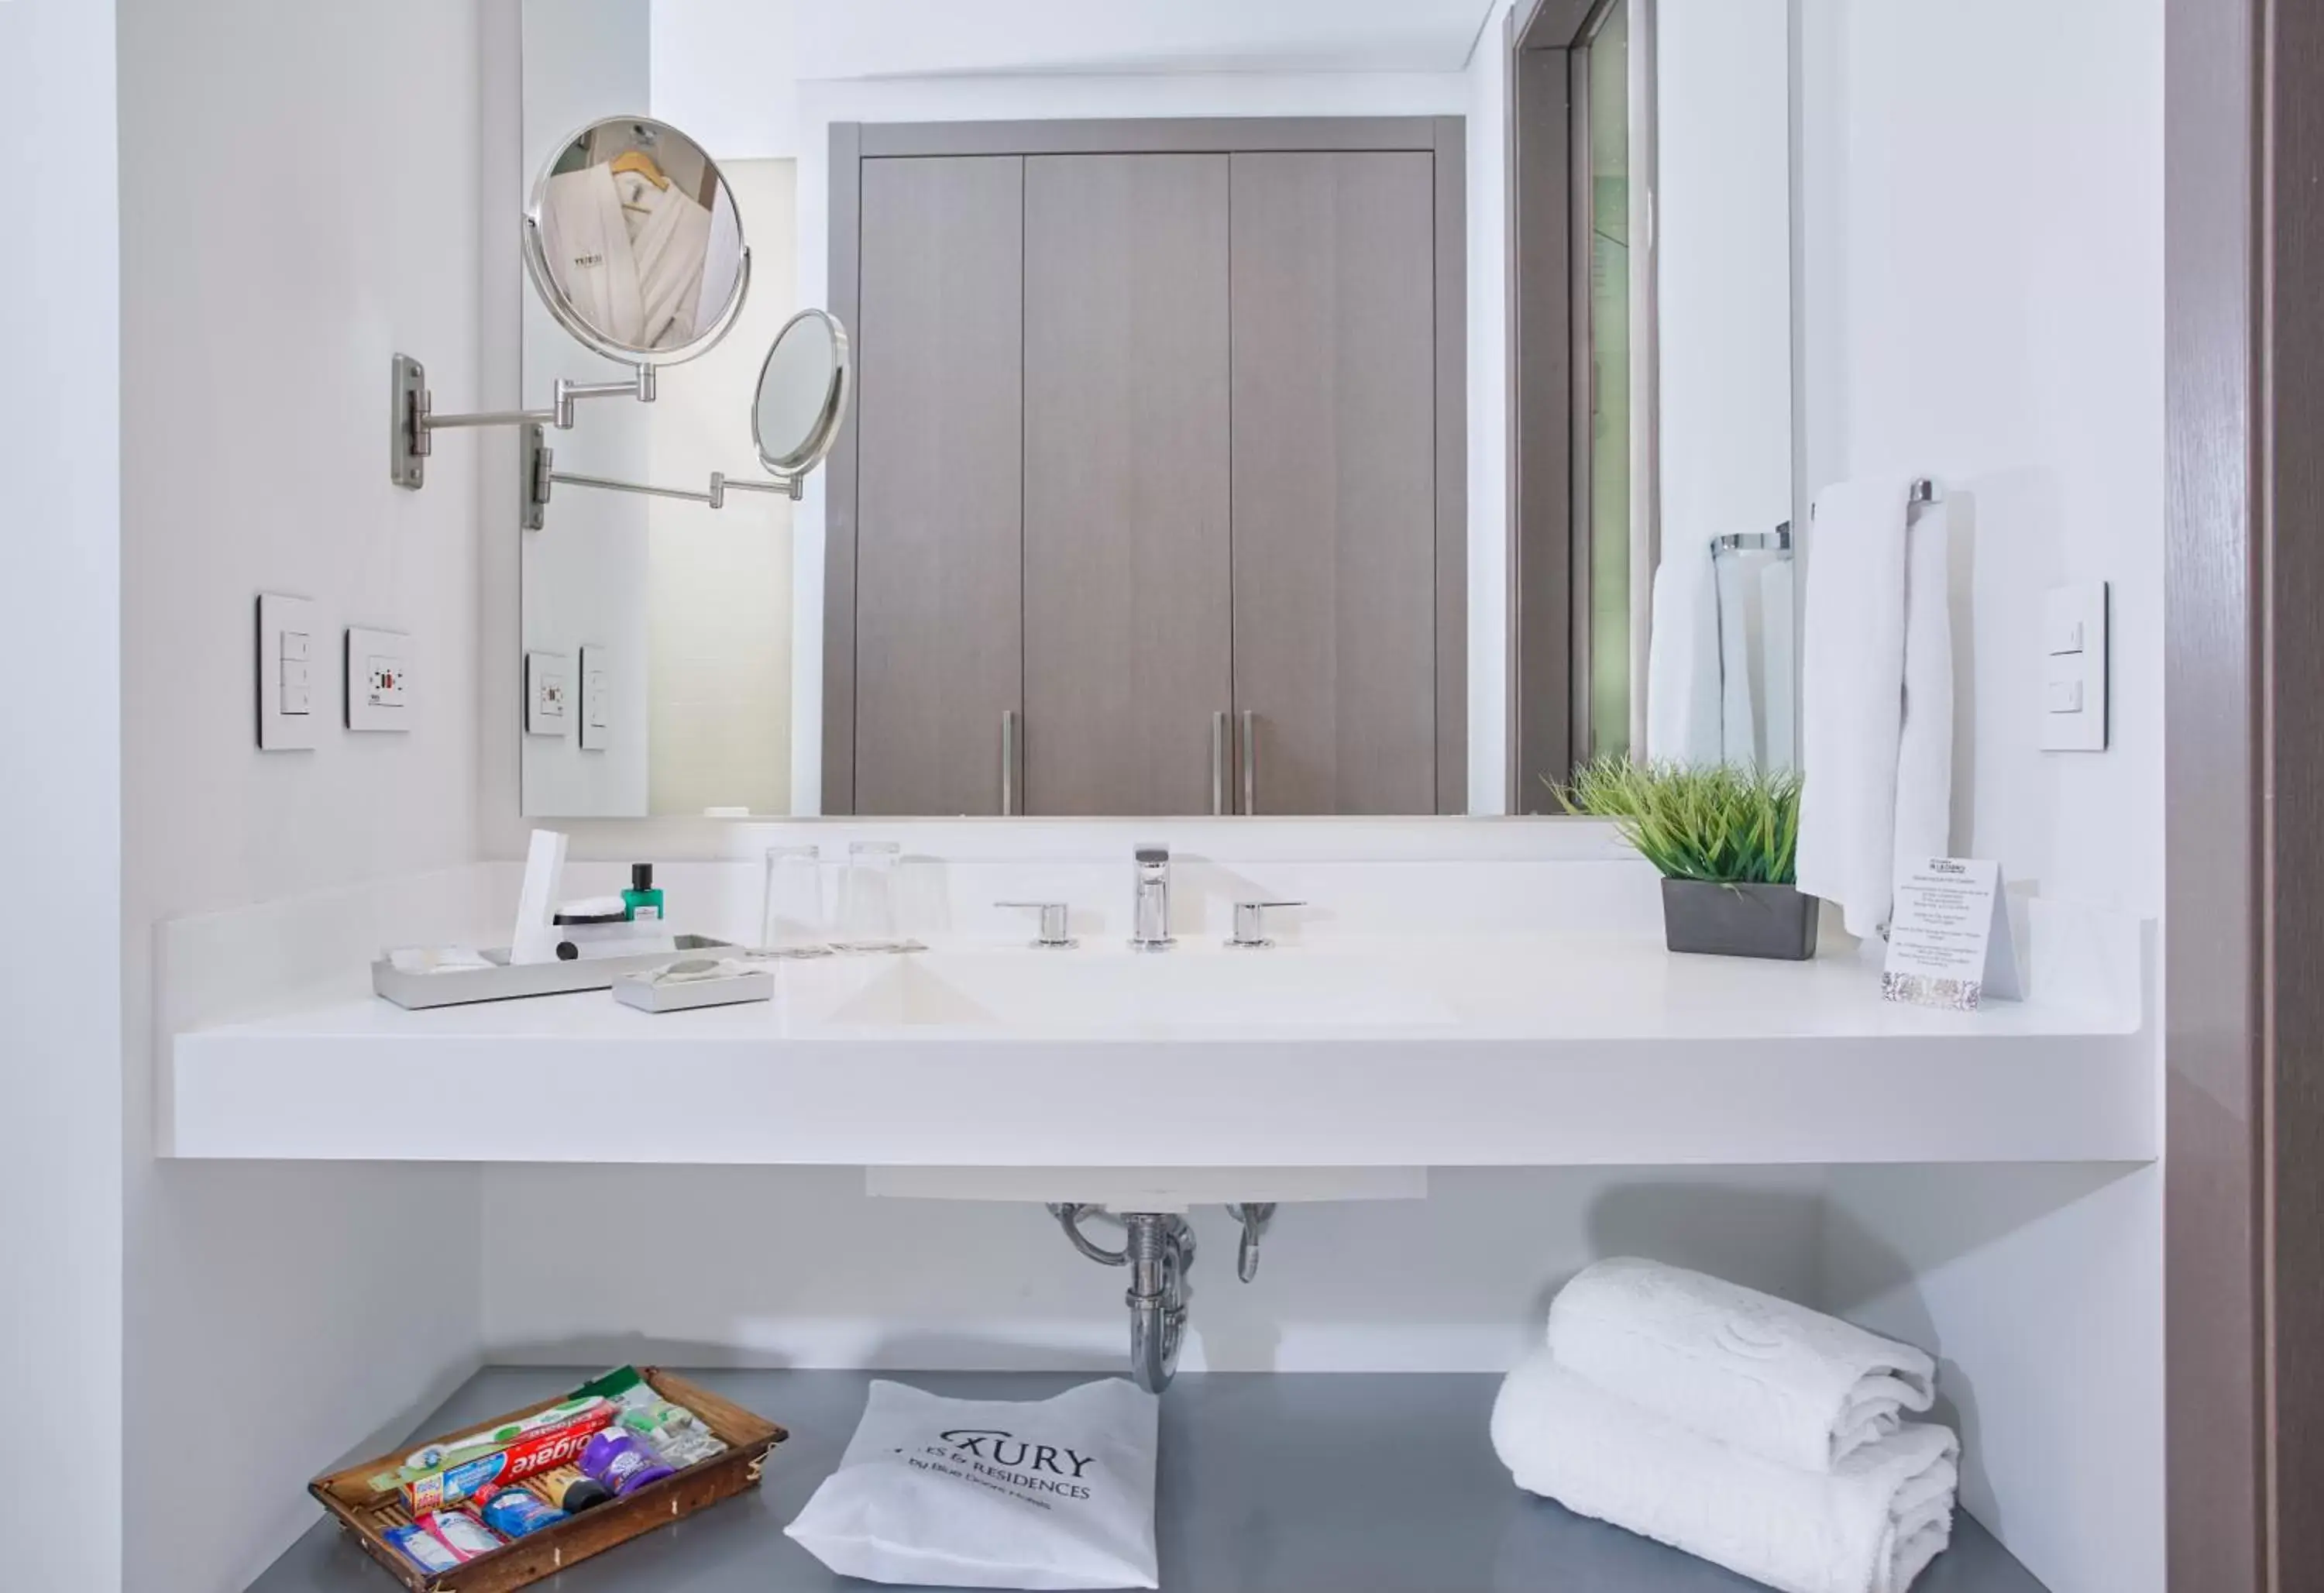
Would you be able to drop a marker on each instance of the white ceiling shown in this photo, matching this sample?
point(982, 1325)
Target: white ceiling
point(916, 38)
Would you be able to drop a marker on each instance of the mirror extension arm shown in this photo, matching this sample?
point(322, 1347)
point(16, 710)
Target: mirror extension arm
point(540, 477)
point(414, 421)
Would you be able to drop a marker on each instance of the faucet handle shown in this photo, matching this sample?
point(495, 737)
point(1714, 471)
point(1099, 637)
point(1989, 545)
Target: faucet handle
point(1250, 924)
point(1056, 932)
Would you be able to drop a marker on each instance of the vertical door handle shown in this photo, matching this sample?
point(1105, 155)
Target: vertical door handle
point(1009, 760)
point(1250, 762)
point(1221, 758)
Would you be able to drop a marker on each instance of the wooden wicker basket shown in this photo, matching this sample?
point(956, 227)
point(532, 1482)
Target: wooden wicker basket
point(366, 1512)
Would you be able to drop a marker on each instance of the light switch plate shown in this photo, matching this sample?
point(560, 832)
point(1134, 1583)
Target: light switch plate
point(596, 698)
point(378, 684)
point(2074, 650)
point(547, 694)
point(286, 665)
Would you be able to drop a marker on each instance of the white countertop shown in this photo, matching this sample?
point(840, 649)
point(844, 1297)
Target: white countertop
point(1512, 1049)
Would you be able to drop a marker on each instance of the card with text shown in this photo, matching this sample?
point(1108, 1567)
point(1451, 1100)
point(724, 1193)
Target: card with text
point(1948, 941)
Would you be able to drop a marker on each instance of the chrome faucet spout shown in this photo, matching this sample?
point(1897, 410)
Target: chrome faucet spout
point(1150, 913)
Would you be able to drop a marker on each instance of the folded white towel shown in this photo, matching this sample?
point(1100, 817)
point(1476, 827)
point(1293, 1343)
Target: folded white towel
point(1749, 1369)
point(1683, 707)
point(1870, 1525)
point(1876, 658)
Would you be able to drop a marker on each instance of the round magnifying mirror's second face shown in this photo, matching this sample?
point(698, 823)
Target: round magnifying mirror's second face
point(634, 242)
point(802, 393)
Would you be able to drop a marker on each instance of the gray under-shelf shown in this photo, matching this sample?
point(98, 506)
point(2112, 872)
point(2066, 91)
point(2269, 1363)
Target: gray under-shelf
point(1271, 1483)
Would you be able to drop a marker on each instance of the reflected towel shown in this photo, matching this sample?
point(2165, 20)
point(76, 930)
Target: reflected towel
point(1739, 727)
point(1870, 1525)
point(1684, 707)
point(1747, 1368)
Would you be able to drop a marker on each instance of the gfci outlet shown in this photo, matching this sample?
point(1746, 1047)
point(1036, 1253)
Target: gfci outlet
point(378, 680)
point(288, 663)
point(547, 694)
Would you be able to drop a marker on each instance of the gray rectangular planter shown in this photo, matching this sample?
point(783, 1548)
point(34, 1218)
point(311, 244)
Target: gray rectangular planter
point(1738, 919)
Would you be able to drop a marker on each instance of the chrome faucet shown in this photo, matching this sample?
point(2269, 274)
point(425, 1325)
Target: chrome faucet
point(1150, 913)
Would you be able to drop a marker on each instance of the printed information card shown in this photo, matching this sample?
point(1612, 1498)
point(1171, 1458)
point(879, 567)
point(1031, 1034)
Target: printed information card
point(1949, 943)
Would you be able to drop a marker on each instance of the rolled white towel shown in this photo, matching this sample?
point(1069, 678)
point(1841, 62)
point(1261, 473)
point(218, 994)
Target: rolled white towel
point(1869, 1525)
point(1748, 1368)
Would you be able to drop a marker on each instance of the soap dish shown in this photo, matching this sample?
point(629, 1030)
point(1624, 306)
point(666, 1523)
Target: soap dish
point(654, 991)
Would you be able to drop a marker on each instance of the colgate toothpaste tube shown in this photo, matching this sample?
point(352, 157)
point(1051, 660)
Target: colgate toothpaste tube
point(541, 1449)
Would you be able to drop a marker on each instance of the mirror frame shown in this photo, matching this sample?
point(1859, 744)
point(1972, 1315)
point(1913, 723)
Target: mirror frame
point(824, 435)
point(560, 307)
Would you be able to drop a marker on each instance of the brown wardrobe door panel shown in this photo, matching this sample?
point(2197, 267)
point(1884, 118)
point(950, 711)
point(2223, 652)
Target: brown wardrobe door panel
point(940, 511)
point(1127, 559)
point(1334, 478)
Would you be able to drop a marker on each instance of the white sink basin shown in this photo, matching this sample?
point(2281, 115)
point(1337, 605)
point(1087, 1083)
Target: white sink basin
point(1088, 990)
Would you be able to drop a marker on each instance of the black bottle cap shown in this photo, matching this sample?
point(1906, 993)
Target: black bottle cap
point(583, 1492)
point(642, 876)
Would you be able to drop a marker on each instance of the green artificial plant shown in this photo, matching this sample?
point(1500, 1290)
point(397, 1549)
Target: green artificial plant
point(1715, 822)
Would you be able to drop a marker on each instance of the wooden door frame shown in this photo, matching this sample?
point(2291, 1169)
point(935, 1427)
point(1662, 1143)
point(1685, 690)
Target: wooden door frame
point(1545, 47)
point(1441, 137)
point(2244, 1103)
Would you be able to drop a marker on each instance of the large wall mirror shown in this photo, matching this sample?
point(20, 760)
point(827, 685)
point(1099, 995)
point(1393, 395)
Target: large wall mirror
point(1161, 491)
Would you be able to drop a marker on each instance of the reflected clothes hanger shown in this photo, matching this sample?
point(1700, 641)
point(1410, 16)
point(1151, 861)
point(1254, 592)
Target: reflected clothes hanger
point(638, 161)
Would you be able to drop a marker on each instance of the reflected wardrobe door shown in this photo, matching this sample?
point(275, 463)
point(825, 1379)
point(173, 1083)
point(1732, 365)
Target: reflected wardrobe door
point(1334, 480)
point(1126, 562)
point(938, 603)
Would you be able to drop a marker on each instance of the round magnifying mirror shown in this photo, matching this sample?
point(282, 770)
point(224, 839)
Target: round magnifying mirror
point(803, 390)
point(633, 242)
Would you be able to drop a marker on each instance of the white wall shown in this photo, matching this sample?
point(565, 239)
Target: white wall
point(585, 575)
point(718, 584)
point(1489, 417)
point(278, 243)
point(60, 788)
point(1983, 284)
point(1723, 266)
point(798, 1266)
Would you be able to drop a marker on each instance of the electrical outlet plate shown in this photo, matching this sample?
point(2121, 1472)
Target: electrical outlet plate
point(547, 694)
point(287, 665)
point(596, 698)
point(377, 674)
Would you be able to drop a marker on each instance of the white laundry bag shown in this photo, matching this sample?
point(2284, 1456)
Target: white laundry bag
point(1055, 1493)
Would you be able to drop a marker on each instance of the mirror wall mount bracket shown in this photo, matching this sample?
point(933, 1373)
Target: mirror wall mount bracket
point(541, 477)
point(413, 421)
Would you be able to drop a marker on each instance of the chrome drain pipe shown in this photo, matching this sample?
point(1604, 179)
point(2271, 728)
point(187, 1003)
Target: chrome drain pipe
point(1158, 1249)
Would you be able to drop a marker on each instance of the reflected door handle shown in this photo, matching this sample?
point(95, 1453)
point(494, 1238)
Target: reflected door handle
point(1221, 759)
point(1009, 760)
point(1250, 762)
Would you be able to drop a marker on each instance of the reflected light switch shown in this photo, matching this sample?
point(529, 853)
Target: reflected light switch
point(596, 698)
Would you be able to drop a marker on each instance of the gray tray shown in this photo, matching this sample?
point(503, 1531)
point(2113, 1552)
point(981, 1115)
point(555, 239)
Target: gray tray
point(507, 982)
point(637, 991)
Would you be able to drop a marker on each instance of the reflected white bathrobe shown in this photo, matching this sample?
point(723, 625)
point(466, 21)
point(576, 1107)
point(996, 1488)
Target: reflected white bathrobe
point(627, 254)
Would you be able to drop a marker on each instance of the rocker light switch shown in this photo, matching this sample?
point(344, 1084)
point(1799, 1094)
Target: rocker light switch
point(2074, 668)
point(378, 680)
point(285, 648)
